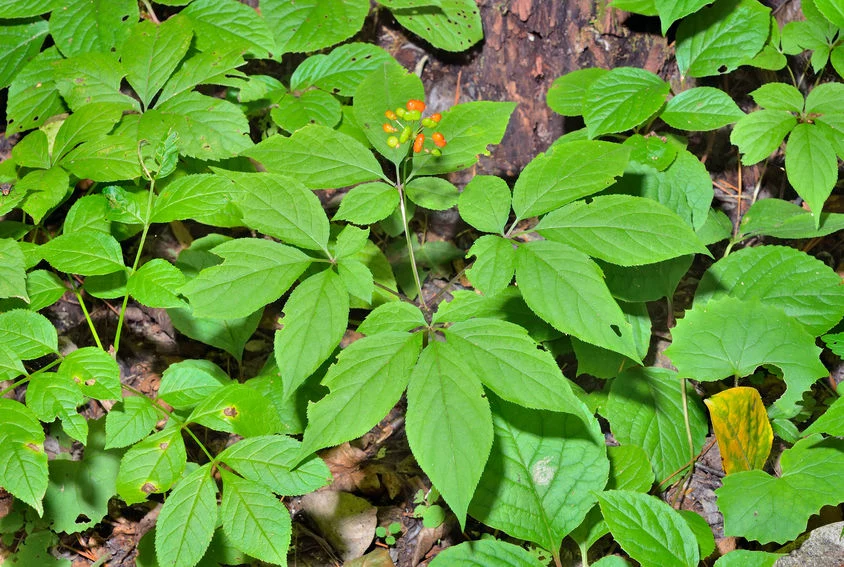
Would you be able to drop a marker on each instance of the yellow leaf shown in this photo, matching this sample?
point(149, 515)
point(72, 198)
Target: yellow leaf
point(741, 427)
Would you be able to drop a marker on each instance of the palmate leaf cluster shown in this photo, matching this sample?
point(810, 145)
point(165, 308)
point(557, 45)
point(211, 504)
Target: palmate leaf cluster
point(564, 262)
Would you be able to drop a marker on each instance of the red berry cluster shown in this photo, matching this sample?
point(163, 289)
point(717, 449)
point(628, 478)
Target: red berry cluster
point(407, 123)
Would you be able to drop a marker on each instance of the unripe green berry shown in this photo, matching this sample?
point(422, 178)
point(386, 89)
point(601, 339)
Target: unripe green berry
point(405, 134)
point(393, 142)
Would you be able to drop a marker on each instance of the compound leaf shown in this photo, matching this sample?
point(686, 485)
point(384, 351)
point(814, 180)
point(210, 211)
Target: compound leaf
point(187, 520)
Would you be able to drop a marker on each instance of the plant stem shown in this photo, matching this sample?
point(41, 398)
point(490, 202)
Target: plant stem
point(685, 398)
point(198, 442)
point(88, 318)
point(28, 377)
point(414, 269)
point(138, 253)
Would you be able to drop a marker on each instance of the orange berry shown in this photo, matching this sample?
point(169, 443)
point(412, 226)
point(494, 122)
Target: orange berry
point(390, 115)
point(417, 143)
point(439, 139)
point(389, 128)
point(414, 104)
point(436, 117)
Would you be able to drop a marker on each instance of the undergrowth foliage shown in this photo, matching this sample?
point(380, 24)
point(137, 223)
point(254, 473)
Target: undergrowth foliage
point(607, 219)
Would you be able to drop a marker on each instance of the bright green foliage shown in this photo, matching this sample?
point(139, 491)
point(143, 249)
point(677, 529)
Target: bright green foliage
point(273, 460)
point(484, 203)
point(12, 270)
point(542, 473)
point(27, 334)
point(831, 422)
point(453, 25)
point(649, 529)
point(368, 203)
point(94, 372)
point(82, 487)
point(24, 472)
point(237, 408)
point(188, 519)
point(621, 229)
point(782, 219)
point(811, 165)
point(485, 552)
point(157, 284)
point(449, 425)
point(645, 410)
point(88, 253)
point(622, 99)
point(230, 23)
point(766, 508)
point(701, 108)
point(760, 133)
point(367, 380)
point(312, 24)
point(745, 558)
point(566, 173)
point(185, 384)
point(814, 299)
point(731, 337)
point(719, 38)
point(151, 466)
point(130, 421)
point(254, 519)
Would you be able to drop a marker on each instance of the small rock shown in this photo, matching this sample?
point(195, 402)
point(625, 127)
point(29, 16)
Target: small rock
point(824, 548)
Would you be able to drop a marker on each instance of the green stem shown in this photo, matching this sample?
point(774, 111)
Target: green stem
point(143, 240)
point(28, 377)
point(198, 442)
point(584, 551)
point(88, 318)
point(406, 224)
point(685, 398)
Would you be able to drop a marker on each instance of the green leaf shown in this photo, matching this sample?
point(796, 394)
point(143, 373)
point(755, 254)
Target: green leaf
point(254, 519)
point(760, 133)
point(351, 241)
point(602, 363)
point(87, 252)
point(319, 157)
point(28, 334)
point(543, 465)
point(824, 104)
point(88, 26)
point(452, 25)
point(397, 316)
point(106, 158)
point(831, 421)
point(151, 466)
point(21, 42)
point(237, 408)
point(366, 382)
point(315, 317)
point(701, 108)
point(469, 128)
point(341, 71)
point(622, 230)
point(670, 12)
point(648, 529)
point(129, 421)
point(719, 38)
point(152, 53)
point(802, 286)
point(89, 122)
point(230, 23)
point(449, 426)
point(432, 193)
point(44, 288)
point(293, 111)
point(185, 384)
point(156, 284)
point(832, 11)
point(506, 360)
point(230, 335)
point(779, 96)
point(746, 558)
point(199, 69)
point(493, 269)
point(205, 198)
point(781, 219)
point(622, 99)
point(24, 471)
point(32, 151)
point(45, 188)
point(311, 25)
point(282, 207)
point(566, 173)
point(646, 283)
point(272, 461)
point(14, 9)
point(52, 396)
point(91, 78)
point(209, 128)
point(368, 203)
point(357, 278)
point(811, 165)
point(731, 337)
point(33, 97)
point(187, 519)
point(645, 409)
point(764, 508)
point(565, 288)
point(82, 489)
point(94, 371)
point(12, 270)
point(254, 272)
point(703, 532)
point(485, 552)
point(10, 365)
point(567, 94)
point(653, 151)
point(484, 203)
point(389, 86)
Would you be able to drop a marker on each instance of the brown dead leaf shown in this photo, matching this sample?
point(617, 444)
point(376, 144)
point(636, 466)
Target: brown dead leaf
point(345, 520)
point(378, 558)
